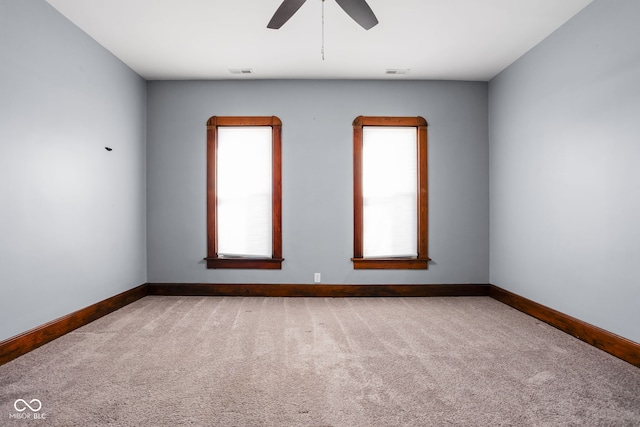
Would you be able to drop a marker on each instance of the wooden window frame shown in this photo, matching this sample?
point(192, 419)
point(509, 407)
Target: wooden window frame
point(421, 261)
point(212, 259)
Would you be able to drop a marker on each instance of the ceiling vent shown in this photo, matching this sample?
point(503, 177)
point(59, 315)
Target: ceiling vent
point(394, 71)
point(240, 70)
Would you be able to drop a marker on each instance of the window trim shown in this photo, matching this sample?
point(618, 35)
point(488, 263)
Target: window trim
point(212, 258)
point(421, 261)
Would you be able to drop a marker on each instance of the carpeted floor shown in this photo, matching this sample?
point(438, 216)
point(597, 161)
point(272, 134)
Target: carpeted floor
point(231, 361)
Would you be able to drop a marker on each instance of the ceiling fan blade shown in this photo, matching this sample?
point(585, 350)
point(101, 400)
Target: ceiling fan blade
point(360, 12)
point(284, 12)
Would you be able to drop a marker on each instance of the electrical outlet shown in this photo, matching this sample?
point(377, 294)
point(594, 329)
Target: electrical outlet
point(316, 277)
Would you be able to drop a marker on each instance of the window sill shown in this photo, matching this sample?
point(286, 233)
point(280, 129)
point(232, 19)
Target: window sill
point(390, 263)
point(245, 263)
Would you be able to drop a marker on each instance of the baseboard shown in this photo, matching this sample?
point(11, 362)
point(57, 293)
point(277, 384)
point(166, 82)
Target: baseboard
point(25, 342)
point(315, 290)
point(613, 344)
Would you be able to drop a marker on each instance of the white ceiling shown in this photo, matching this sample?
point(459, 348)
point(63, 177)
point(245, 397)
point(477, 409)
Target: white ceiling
point(203, 39)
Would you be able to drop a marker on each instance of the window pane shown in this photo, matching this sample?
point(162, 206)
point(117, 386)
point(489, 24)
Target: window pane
point(244, 191)
point(389, 191)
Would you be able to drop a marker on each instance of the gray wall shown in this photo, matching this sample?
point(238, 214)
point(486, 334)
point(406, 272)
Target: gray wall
point(72, 215)
point(317, 176)
point(565, 181)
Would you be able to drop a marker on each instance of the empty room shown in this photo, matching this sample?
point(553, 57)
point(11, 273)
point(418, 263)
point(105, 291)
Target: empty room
point(319, 213)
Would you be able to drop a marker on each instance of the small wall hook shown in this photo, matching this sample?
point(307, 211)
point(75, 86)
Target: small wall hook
point(108, 148)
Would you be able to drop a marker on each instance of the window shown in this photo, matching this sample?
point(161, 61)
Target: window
point(244, 192)
point(390, 193)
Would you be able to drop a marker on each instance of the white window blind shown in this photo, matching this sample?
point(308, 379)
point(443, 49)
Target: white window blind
point(389, 191)
point(244, 185)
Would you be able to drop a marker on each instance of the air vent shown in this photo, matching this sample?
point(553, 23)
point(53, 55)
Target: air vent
point(240, 70)
point(397, 71)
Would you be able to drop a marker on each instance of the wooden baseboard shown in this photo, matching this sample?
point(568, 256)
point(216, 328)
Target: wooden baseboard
point(620, 347)
point(315, 290)
point(25, 342)
point(613, 344)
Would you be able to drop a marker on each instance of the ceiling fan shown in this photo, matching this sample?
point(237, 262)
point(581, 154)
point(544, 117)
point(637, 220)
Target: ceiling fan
point(358, 10)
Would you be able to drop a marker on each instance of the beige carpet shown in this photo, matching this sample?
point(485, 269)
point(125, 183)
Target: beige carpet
point(231, 361)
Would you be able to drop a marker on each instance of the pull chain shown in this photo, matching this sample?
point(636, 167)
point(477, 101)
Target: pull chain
point(322, 49)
